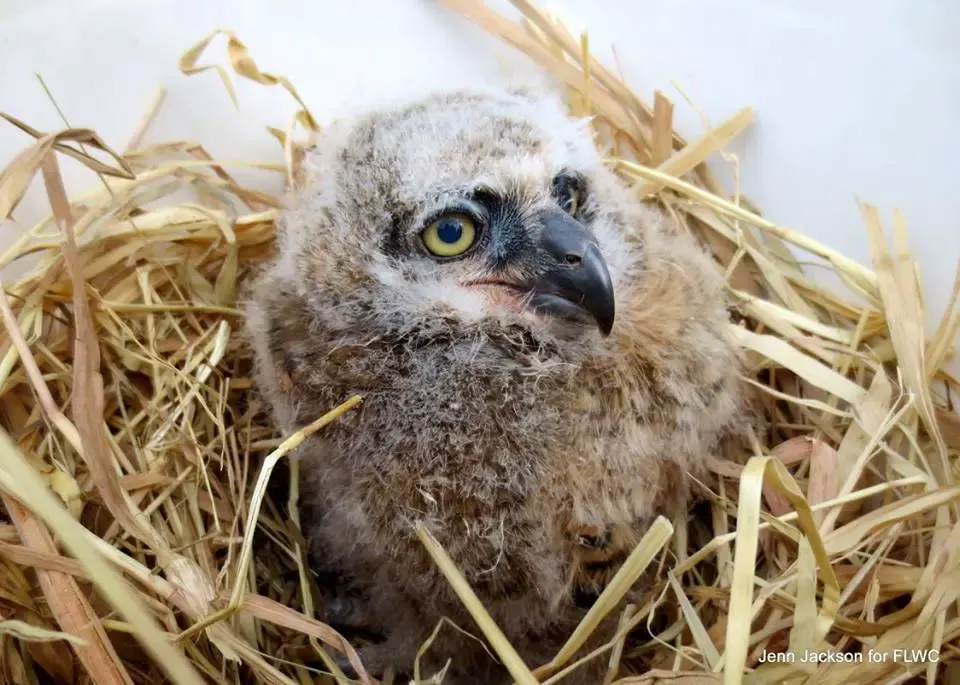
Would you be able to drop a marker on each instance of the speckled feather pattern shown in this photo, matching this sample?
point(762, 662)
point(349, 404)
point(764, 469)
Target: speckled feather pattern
point(510, 438)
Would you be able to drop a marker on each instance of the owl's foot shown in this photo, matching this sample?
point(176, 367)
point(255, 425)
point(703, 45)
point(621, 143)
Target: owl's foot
point(377, 658)
point(347, 612)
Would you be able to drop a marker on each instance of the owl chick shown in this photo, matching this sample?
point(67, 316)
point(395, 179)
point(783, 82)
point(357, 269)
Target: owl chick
point(542, 359)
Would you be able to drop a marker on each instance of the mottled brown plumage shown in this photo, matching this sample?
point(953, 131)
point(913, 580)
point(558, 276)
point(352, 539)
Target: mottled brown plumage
point(535, 448)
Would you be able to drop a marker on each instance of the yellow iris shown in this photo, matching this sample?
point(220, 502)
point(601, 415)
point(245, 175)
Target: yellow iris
point(450, 235)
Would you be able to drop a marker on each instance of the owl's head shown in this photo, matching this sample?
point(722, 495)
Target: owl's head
point(467, 208)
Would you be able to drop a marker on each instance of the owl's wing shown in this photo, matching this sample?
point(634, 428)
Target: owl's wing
point(277, 321)
point(652, 409)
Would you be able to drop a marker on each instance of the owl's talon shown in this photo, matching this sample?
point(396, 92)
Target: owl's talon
point(339, 610)
point(593, 541)
point(349, 613)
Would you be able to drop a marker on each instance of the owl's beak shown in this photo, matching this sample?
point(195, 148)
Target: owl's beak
point(576, 283)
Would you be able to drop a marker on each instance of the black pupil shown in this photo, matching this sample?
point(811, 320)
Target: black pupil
point(450, 230)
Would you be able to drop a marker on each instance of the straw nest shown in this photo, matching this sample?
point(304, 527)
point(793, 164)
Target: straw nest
point(139, 543)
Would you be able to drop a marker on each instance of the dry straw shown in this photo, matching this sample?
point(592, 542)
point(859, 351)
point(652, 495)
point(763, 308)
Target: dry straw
point(141, 546)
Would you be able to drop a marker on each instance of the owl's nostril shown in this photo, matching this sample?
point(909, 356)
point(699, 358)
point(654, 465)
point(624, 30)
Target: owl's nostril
point(573, 259)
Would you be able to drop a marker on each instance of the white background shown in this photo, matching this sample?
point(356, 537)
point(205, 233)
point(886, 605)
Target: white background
point(852, 98)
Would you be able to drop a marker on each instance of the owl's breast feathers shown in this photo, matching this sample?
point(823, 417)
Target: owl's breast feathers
point(513, 452)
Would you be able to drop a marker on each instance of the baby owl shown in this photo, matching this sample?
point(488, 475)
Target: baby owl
point(542, 359)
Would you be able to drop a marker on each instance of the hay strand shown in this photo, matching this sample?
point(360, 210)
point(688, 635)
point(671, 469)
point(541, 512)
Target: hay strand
point(96, 651)
point(498, 641)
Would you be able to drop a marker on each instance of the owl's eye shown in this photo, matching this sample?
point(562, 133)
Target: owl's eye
point(450, 235)
point(567, 193)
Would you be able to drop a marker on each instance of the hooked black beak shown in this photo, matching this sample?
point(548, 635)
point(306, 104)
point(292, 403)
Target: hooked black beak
point(576, 283)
